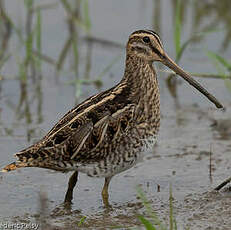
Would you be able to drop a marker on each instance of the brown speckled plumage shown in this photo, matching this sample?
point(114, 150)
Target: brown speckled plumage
point(108, 132)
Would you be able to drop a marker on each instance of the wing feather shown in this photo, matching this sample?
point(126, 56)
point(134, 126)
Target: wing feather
point(81, 137)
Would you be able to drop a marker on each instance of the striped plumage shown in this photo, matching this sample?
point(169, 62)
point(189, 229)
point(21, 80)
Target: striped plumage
point(108, 132)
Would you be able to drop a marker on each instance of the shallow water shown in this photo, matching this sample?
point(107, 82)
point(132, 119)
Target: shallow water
point(191, 127)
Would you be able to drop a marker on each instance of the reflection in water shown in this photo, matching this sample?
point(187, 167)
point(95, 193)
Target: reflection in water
point(23, 108)
point(38, 93)
point(171, 83)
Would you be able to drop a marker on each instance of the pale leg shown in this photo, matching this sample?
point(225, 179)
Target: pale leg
point(105, 191)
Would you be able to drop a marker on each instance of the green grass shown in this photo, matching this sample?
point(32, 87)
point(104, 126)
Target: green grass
point(153, 222)
point(31, 40)
point(82, 220)
point(177, 31)
point(28, 3)
point(38, 38)
point(75, 52)
point(223, 67)
point(79, 82)
point(28, 47)
point(221, 61)
point(82, 18)
point(180, 46)
point(78, 12)
point(86, 17)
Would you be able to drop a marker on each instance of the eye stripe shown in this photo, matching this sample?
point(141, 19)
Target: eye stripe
point(155, 50)
point(137, 35)
point(154, 34)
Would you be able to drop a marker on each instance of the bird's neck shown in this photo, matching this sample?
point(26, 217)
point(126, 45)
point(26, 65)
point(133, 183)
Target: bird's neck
point(140, 77)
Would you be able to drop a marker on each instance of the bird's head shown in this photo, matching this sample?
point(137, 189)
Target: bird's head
point(146, 45)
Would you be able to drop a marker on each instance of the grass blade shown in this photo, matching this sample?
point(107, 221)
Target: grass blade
point(38, 31)
point(38, 38)
point(28, 3)
point(191, 39)
point(177, 29)
point(75, 52)
point(220, 59)
point(221, 62)
point(171, 221)
point(182, 48)
point(67, 6)
point(217, 64)
point(86, 15)
point(149, 209)
point(82, 221)
point(29, 46)
point(148, 225)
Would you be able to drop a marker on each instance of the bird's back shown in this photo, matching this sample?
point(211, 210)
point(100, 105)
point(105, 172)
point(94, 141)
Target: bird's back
point(87, 134)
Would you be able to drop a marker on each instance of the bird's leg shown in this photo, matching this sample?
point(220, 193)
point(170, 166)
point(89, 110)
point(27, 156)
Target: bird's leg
point(105, 192)
point(71, 184)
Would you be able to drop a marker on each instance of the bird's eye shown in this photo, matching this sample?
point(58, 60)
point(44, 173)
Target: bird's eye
point(146, 39)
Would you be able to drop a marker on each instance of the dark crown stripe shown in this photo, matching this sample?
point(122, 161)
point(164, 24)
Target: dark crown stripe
point(146, 31)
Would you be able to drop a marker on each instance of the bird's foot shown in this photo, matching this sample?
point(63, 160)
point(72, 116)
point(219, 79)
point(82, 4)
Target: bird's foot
point(63, 209)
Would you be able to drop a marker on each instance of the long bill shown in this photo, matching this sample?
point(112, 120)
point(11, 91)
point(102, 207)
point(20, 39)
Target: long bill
point(166, 60)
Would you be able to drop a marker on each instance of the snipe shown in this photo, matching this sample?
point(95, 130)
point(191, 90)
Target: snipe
point(107, 133)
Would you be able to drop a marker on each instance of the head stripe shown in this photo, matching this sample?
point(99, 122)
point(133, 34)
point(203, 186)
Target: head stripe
point(149, 32)
point(145, 31)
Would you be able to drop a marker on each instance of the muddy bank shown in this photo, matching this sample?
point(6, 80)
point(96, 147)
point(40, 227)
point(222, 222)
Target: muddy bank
point(183, 162)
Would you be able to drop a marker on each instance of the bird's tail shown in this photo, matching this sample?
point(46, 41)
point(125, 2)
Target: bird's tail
point(23, 158)
point(13, 166)
point(40, 158)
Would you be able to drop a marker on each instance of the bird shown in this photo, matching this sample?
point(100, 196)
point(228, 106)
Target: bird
point(109, 132)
